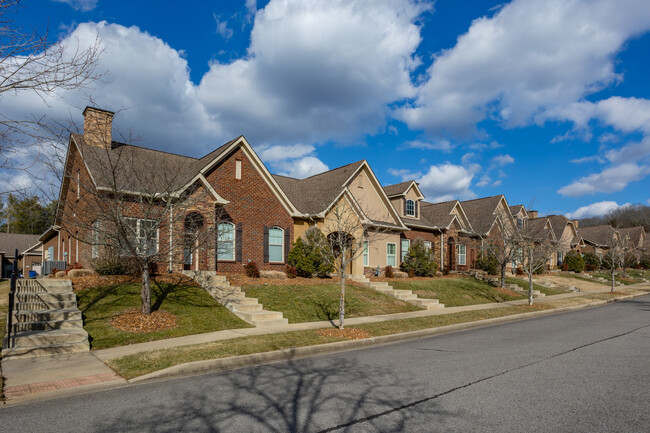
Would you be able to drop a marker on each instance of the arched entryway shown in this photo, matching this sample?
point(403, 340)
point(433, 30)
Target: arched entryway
point(340, 241)
point(194, 223)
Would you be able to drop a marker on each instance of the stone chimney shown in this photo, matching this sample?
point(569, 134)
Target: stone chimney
point(98, 125)
point(575, 223)
point(532, 214)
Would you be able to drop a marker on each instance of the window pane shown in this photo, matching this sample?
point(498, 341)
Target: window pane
point(410, 207)
point(365, 254)
point(390, 254)
point(405, 248)
point(226, 241)
point(275, 253)
point(276, 238)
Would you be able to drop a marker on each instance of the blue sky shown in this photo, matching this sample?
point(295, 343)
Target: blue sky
point(545, 102)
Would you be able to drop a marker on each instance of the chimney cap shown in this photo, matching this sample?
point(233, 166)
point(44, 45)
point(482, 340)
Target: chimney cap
point(97, 109)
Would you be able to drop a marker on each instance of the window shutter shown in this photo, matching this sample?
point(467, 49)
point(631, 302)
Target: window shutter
point(416, 205)
point(238, 242)
point(266, 244)
point(287, 243)
point(404, 206)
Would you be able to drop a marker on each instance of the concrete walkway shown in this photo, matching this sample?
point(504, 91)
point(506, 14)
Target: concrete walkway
point(53, 375)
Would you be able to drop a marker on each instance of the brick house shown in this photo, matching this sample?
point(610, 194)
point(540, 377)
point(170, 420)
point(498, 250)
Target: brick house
point(599, 239)
point(166, 199)
point(566, 237)
point(28, 252)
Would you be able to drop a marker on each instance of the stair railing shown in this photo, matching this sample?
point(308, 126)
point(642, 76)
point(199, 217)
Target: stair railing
point(12, 297)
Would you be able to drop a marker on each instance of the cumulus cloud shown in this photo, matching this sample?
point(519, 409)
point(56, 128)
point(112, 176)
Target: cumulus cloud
point(529, 57)
point(297, 160)
point(443, 182)
point(222, 27)
point(80, 5)
point(282, 152)
point(609, 180)
point(443, 145)
point(595, 209)
point(301, 168)
point(502, 160)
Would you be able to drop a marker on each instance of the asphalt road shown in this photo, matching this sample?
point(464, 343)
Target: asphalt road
point(584, 371)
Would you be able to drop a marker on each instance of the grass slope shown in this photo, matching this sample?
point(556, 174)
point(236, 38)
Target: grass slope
point(197, 312)
point(524, 285)
point(455, 292)
point(316, 302)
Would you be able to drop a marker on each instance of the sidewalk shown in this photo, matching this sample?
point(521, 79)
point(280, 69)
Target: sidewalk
point(73, 373)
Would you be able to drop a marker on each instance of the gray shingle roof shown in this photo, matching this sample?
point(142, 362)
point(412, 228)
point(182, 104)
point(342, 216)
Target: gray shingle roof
point(397, 189)
point(314, 194)
point(137, 169)
point(537, 228)
point(437, 214)
point(514, 210)
point(635, 236)
point(481, 212)
point(599, 235)
point(558, 223)
point(9, 242)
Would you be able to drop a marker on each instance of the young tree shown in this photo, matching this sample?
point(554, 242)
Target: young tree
point(614, 257)
point(536, 245)
point(502, 245)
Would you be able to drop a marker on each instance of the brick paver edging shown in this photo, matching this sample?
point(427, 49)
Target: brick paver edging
point(34, 388)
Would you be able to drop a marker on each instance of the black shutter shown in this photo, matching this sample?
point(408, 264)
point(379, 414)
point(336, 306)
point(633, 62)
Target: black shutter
point(266, 244)
point(287, 243)
point(238, 242)
point(404, 206)
point(416, 205)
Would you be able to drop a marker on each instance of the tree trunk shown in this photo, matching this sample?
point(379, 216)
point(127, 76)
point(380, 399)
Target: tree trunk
point(503, 275)
point(342, 301)
point(613, 281)
point(145, 291)
point(530, 289)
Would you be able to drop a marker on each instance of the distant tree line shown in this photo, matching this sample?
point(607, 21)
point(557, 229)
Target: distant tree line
point(25, 215)
point(630, 216)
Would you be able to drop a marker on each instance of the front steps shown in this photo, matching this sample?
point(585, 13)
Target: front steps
point(46, 320)
point(403, 295)
point(231, 297)
point(518, 289)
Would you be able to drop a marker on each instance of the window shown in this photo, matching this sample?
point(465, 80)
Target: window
point(390, 254)
point(427, 245)
point(520, 223)
point(238, 169)
point(50, 253)
point(406, 244)
point(276, 245)
point(95, 246)
point(226, 241)
point(142, 234)
point(559, 258)
point(461, 255)
point(410, 208)
point(366, 254)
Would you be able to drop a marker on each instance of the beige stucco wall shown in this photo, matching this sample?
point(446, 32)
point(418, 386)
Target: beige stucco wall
point(365, 193)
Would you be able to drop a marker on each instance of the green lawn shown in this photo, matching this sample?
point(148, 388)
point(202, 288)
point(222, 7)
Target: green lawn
point(197, 312)
point(316, 302)
point(455, 292)
point(524, 285)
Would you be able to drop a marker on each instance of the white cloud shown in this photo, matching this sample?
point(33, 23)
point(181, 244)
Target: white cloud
point(584, 159)
point(595, 209)
point(497, 182)
point(443, 145)
point(443, 182)
point(609, 180)
point(485, 180)
point(222, 27)
point(502, 160)
point(281, 152)
point(301, 168)
point(529, 57)
point(80, 5)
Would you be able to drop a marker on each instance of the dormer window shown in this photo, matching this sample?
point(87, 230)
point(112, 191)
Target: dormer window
point(410, 208)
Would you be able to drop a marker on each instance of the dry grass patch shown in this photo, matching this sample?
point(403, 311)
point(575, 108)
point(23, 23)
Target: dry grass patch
point(134, 321)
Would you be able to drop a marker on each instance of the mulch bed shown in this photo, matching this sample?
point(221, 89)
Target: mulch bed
point(135, 321)
point(348, 333)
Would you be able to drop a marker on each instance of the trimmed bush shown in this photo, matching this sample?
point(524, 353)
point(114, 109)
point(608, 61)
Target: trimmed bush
point(299, 258)
point(488, 263)
point(309, 257)
point(574, 262)
point(592, 262)
point(251, 270)
point(388, 272)
point(630, 260)
point(417, 261)
point(645, 261)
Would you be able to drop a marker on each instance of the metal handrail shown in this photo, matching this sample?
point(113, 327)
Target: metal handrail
point(12, 296)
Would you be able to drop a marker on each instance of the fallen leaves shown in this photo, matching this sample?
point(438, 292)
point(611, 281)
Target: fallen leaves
point(347, 333)
point(134, 321)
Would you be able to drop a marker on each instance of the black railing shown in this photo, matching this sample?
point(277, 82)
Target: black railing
point(12, 298)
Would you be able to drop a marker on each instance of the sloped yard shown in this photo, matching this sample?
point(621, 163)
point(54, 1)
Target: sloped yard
point(457, 291)
point(523, 283)
point(315, 302)
point(195, 310)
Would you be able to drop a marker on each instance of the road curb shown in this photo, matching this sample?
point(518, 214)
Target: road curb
point(235, 362)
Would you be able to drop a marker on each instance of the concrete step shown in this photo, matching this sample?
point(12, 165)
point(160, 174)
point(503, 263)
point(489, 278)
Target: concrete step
point(45, 297)
point(256, 316)
point(43, 285)
point(193, 274)
point(38, 306)
point(47, 315)
point(244, 308)
point(406, 297)
point(28, 352)
point(379, 283)
point(49, 338)
point(47, 325)
point(428, 304)
point(270, 323)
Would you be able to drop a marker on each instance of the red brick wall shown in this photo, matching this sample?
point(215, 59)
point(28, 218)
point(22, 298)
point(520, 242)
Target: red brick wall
point(253, 204)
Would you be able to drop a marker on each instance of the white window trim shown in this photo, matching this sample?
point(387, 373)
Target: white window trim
point(366, 253)
point(406, 211)
point(281, 243)
point(137, 233)
point(394, 255)
point(234, 242)
point(428, 245)
point(459, 255)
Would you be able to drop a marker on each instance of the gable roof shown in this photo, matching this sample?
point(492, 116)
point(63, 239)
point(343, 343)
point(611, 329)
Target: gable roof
point(481, 212)
point(636, 236)
point(514, 210)
point(398, 189)
point(598, 235)
point(558, 224)
point(9, 242)
point(540, 228)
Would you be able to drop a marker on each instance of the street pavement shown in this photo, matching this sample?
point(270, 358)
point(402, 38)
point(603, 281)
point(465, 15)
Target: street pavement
point(583, 371)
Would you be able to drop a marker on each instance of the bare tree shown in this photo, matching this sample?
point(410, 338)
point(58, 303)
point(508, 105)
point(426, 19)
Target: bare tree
point(503, 245)
point(535, 247)
point(31, 63)
point(348, 233)
point(614, 258)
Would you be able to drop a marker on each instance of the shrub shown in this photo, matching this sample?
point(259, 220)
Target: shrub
point(299, 258)
point(564, 267)
point(645, 261)
point(317, 246)
point(71, 267)
point(488, 263)
point(520, 271)
point(81, 273)
point(574, 262)
point(417, 261)
point(388, 272)
point(251, 270)
point(592, 262)
point(291, 271)
point(630, 260)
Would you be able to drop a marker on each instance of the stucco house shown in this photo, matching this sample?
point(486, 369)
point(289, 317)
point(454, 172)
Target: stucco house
point(599, 239)
point(566, 238)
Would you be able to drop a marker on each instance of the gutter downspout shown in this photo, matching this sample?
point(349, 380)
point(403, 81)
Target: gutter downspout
point(58, 247)
point(170, 238)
